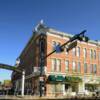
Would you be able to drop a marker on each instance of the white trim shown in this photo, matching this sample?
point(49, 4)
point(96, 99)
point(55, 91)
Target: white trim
point(57, 36)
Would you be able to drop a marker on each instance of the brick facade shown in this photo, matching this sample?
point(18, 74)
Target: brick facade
point(30, 62)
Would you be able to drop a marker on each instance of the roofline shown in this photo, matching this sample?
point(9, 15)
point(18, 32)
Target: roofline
point(56, 32)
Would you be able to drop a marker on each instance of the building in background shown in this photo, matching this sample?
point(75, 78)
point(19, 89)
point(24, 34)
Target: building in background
point(63, 73)
point(7, 85)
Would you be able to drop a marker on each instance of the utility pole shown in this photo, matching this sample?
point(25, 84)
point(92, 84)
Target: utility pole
point(42, 63)
point(79, 36)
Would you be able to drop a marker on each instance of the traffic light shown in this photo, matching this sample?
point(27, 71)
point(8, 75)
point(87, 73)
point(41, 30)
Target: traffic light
point(83, 38)
point(72, 45)
point(78, 36)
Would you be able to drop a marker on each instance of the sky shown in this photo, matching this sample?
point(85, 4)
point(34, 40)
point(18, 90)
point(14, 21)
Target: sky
point(19, 17)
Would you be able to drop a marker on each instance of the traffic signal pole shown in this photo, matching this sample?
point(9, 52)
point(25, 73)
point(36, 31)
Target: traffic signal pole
point(75, 37)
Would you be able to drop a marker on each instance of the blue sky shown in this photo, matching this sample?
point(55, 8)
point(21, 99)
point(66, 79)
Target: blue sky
point(19, 17)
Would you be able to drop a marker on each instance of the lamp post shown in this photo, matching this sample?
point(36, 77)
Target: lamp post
point(23, 77)
point(23, 83)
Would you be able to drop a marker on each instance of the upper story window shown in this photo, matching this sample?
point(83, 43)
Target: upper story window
point(67, 65)
point(74, 66)
point(66, 49)
point(99, 55)
point(91, 54)
point(53, 45)
point(94, 68)
point(94, 54)
point(85, 67)
point(53, 63)
point(91, 68)
point(58, 61)
point(74, 51)
point(78, 51)
point(84, 52)
point(56, 64)
point(78, 67)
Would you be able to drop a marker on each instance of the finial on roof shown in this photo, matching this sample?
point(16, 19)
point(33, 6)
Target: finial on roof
point(39, 24)
point(41, 21)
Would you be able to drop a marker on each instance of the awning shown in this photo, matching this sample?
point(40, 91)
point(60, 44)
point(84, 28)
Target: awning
point(60, 78)
point(73, 79)
point(93, 82)
point(51, 78)
point(54, 78)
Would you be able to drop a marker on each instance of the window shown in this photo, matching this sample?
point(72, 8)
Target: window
point(74, 51)
point(95, 69)
point(85, 67)
point(91, 54)
point(91, 68)
point(58, 61)
point(66, 49)
point(78, 51)
point(56, 88)
point(53, 64)
point(53, 45)
point(74, 66)
point(84, 52)
point(79, 67)
point(67, 65)
point(52, 88)
point(56, 65)
point(99, 56)
point(94, 54)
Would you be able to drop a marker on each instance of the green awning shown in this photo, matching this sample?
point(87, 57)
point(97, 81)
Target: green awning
point(53, 78)
point(73, 79)
point(60, 78)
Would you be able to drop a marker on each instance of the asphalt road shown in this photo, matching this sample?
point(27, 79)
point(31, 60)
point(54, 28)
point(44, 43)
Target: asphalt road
point(46, 98)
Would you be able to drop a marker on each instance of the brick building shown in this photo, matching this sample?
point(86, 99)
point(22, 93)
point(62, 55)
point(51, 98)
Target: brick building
point(64, 73)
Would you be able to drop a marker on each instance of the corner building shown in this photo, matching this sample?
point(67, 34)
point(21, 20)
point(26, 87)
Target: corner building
point(64, 73)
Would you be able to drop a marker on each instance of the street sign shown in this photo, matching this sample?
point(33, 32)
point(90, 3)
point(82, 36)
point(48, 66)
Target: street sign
point(58, 49)
point(41, 78)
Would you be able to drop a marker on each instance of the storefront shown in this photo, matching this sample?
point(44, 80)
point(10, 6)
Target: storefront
point(60, 85)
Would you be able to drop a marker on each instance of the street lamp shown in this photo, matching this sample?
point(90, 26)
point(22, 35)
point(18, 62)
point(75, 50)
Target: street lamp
point(23, 77)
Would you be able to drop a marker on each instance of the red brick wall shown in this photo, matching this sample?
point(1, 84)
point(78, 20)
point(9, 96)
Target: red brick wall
point(63, 56)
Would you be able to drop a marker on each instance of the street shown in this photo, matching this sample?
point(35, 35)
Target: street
point(6, 97)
